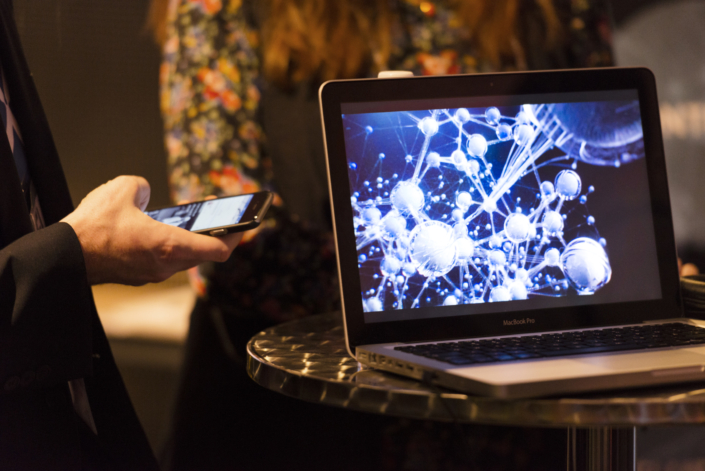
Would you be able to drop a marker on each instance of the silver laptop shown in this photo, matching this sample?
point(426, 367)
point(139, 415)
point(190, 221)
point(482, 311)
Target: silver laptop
point(508, 234)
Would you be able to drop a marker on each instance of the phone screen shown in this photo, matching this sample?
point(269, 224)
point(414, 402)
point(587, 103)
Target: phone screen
point(204, 214)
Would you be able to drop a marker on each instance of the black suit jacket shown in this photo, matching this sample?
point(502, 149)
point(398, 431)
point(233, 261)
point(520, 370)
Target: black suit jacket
point(49, 329)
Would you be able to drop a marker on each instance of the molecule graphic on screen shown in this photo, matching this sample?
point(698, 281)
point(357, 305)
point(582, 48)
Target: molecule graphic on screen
point(459, 206)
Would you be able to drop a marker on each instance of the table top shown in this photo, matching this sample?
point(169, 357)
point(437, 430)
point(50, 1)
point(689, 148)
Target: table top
point(307, 359)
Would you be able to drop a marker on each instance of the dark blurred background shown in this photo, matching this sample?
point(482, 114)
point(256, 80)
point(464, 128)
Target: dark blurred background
point(96, 69)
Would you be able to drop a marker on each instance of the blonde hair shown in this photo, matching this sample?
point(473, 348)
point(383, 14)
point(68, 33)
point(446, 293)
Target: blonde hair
point(328, 39)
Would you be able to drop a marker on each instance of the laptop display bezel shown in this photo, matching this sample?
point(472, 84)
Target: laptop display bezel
point(333, 94)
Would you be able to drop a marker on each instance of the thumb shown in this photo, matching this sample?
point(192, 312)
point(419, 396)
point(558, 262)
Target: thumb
point(142, 193)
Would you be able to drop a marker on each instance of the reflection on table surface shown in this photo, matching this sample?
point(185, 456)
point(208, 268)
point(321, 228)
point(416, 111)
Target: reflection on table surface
point(307, 359)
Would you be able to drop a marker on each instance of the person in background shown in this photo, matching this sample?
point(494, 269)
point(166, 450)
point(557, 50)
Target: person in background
point(239, 82)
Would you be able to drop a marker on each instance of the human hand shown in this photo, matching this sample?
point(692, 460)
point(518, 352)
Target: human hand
point(687, 269)
point(123, 245)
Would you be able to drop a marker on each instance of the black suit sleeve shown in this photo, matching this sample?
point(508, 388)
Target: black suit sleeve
point(45, 311)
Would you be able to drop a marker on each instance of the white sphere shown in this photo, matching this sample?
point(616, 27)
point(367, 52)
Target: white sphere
point(477, 145)
point(464, 248)
point(463, 200)
point(518, 290)
point(428, 126)
point(504, 132)
point(450, 301)
point(408, 269)
point(407, 198)
point(523, 117)
point(492, 116)
point(460, 229)
point(500, 294)
point(394, 224)
point(523, 134)
point(433, 248)
point(548, 192)
point(552, 257)
point(473, 166)
point(371, 216)
point(586, 265)
point(433, 159)
point(458, 158)
point(497, 258)
point(489, 205)
point(552, 222)
point(517, 227)
point(390, 265)
point(568, 184)
point(462, 115)
point(372, 305)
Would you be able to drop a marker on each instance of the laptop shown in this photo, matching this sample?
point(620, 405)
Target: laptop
point(508, 235)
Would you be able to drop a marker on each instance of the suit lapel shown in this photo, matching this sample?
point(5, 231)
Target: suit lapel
point(14, 216)
point(42, 158)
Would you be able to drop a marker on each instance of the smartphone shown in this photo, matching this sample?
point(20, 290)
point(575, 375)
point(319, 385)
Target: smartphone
point(219, 216)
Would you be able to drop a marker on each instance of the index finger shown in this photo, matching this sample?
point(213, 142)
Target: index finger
point(206, 248)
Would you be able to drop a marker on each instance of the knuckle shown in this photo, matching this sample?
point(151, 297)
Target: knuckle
point(166, 253)
point(223, 254)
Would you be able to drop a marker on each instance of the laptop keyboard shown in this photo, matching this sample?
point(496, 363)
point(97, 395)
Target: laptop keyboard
point(560, 344)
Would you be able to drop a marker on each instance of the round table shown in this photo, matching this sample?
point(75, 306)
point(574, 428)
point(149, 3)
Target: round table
point(307, 359)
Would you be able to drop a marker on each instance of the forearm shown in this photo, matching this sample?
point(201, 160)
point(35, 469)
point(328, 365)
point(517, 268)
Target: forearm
point(46, 310)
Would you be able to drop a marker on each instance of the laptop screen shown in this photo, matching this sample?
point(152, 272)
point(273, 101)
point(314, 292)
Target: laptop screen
point(490, 204)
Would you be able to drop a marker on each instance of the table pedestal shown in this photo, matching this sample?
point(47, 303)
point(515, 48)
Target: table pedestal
point(601, 449)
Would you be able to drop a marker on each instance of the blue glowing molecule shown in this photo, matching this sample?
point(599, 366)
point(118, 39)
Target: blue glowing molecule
point(568, 184)
point(548, 191)
point(585, 263)
point(428, 126)
point(394, 225)
point(464, 248)
point(433, 159)
point(432, 248)
point(459, 159)
point(518, 227)
point(390, 265)
point(500, 293)
point(371, 215)
point(407, 198)
point(504, 132)
point(552, 222)
point(477, 145)
point(462, 115)
point(523, 134)
point(492, 116)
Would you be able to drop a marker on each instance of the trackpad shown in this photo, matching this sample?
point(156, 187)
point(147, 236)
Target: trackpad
point(660, 362)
